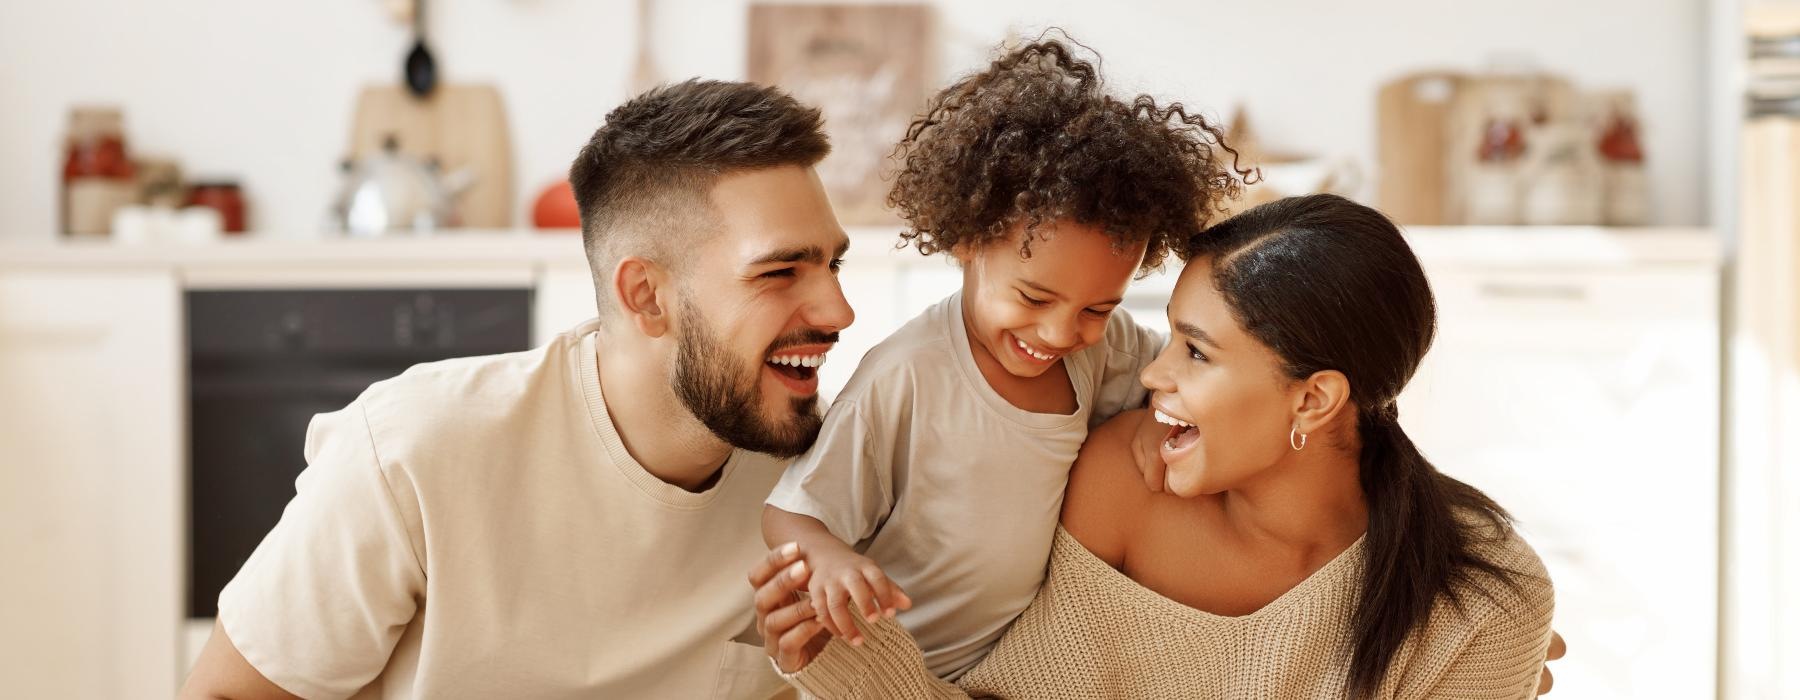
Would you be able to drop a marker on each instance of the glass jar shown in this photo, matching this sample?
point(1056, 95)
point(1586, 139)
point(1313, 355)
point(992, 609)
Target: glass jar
point(224, 196)
point(97, 174)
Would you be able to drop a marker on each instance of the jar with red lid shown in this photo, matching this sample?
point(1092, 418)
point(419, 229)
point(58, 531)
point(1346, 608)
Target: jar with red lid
point(224, 196)
point(97, 173)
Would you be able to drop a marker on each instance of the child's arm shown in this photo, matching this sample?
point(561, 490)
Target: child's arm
point(842, 581)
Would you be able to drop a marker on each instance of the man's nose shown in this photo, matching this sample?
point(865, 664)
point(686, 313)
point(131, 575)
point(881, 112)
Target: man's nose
point(828, 309)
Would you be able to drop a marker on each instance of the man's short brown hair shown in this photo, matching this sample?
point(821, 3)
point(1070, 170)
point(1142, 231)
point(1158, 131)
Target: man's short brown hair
point(642, 180)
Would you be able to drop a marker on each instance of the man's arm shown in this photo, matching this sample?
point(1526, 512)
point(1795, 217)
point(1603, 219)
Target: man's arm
point(221, 673)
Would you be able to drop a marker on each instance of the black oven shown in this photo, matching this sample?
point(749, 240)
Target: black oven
point(262, 363)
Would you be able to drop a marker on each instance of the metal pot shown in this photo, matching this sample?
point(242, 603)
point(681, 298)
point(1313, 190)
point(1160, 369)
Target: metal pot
point(390, 192)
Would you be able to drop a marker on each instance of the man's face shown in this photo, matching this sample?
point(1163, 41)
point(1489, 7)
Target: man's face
point(759, 308)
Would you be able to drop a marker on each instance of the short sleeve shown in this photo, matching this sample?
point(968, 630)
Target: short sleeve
point(320, 604)
point(1130, 348)
point(846, 479)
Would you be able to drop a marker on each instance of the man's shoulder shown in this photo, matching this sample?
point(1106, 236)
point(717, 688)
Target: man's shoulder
point(468, 401)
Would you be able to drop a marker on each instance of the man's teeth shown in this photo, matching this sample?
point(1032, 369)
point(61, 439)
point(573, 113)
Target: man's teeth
point(1031, 352)
point(798, 360)
point(1167, 419)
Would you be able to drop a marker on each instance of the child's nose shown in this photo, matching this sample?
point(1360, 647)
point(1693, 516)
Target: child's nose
point(1063, 333)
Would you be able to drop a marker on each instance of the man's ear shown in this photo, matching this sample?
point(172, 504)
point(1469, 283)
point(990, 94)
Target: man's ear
point(640, 285)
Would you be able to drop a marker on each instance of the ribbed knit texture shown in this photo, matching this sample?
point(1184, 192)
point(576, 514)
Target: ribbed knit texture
point(1092, 632)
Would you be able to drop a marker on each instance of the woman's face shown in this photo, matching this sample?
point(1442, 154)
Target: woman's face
point(1228, 404)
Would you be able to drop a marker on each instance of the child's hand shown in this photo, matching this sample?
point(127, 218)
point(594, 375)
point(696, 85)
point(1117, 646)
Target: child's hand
point(845, 584)
point(1146, 451)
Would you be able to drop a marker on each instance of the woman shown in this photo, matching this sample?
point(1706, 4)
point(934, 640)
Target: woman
point(1300, 546)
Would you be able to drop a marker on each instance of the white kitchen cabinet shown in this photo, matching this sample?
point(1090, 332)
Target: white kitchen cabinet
point(91, 410)
point(562, 299)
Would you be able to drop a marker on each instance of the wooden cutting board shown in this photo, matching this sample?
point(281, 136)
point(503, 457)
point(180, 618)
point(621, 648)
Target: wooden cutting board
point(1413, 114)
point(462, 125)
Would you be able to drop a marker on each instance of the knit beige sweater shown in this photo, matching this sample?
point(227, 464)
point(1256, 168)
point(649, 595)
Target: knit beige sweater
point(1092, 632)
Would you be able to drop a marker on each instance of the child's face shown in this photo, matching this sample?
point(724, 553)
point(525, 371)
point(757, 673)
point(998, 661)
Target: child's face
point(1027, 313)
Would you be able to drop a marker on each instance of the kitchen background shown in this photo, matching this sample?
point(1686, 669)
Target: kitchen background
point(218, 218)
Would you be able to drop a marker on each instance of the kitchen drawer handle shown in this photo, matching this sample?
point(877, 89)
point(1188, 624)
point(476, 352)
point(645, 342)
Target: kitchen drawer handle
point(1551, 292)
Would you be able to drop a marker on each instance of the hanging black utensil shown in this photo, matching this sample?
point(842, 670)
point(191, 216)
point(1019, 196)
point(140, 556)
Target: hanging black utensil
point(421, 70)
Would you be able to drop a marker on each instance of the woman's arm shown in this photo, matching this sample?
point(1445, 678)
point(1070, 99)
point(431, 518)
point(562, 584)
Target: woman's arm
point(1506, 655)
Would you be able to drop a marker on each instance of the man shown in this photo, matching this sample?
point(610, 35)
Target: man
point(574, 520)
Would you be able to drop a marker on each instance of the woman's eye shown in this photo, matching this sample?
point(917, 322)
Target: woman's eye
point(1195, 353)
point(1033, 300)
point(1098, 313)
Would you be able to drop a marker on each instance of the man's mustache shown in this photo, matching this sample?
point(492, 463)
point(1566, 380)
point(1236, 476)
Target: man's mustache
point(804, 336)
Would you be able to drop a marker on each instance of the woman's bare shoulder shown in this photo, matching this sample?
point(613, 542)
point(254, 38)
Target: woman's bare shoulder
point(1106, 495)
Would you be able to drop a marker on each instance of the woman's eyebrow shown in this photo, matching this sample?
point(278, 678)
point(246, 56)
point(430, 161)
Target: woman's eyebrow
point(1192, 331)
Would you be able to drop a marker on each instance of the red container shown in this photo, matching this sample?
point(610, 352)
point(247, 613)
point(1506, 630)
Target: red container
point(224, 196)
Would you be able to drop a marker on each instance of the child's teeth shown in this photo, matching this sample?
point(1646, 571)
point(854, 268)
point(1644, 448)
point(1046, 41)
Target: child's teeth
point(1029, 351)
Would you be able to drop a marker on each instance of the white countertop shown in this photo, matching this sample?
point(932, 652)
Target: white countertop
point(1545, 247)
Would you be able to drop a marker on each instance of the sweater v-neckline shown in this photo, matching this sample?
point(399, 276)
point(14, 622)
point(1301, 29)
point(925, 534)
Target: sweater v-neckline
point(1090, 563)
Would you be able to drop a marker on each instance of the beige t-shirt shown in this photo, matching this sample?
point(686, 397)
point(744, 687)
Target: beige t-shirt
point(475, 529)
point(950, 488)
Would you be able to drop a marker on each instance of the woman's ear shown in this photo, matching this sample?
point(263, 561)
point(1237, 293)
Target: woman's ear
point(639, 285)
point(1321, 398)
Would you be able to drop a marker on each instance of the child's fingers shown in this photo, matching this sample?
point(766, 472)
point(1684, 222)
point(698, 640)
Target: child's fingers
point(843, 619)
point(889, 597)
point(863, 595)
point(902, 601)
point(823, 614)
point(1146, 451)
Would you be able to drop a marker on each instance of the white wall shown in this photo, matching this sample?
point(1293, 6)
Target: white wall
point(263, 91)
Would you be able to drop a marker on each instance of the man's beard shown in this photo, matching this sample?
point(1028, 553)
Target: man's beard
point(728, 399)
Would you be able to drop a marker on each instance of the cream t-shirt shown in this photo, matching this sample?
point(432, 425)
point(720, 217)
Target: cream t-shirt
point(950, 488)
point(474, 528)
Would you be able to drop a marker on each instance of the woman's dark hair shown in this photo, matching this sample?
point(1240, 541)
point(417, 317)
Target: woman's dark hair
point(1035, 138)
point(1329, 284)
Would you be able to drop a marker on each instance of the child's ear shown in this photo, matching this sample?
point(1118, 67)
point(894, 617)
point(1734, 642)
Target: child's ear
point(964, 252)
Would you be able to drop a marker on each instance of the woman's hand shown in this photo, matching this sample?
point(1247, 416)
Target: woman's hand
point(790, 628)
point(1557, 649)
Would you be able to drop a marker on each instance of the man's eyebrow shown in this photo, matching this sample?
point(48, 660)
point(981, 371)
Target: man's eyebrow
point(800, 253)
point(794, 254)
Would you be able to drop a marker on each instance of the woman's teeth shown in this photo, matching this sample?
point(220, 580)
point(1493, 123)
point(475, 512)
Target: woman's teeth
point(798, 360)
point(1027, 348)
point(1167, 419)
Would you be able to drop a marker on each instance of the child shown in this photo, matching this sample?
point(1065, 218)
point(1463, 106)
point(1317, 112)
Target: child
point(939, 473)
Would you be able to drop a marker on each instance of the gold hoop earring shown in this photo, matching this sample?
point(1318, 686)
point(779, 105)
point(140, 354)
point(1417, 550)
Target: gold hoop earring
point(1298, 444)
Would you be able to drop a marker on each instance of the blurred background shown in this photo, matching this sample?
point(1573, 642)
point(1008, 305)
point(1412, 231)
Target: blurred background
point(219, 218)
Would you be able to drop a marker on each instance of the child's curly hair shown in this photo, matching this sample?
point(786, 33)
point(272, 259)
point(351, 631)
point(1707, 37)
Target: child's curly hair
point(1034, 138)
